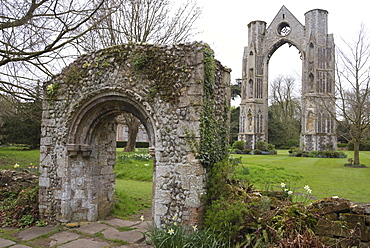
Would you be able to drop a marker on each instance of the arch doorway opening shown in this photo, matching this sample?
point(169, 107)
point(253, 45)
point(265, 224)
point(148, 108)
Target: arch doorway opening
point(284, 97)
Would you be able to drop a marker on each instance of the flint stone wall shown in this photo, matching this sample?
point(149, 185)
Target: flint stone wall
point(163, 87)
point(344, 224)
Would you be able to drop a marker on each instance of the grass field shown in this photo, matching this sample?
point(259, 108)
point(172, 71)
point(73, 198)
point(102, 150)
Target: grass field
point(9, 156)
point(325, 176)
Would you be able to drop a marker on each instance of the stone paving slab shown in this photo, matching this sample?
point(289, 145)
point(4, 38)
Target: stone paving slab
point(121, 223)
point(84, 243)
point(63, 237)
point(5, 242)
point(34, 232)
point(20, 246)
point(144, 226)
point(131, 237)
point(92, 228)
point(68, 238)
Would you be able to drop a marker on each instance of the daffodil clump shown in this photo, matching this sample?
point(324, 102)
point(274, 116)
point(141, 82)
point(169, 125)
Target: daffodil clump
point(174, 234)
point(305, 197)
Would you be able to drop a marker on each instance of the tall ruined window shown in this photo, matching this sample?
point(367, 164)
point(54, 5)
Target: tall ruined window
point(319, 123)
point(250, 87)
point(329, 125)
point(310, 82)
point(258, 89)
point(244, 91)
point(259, 121)
point(329, 87)
point(242, 120)
point(250, 120)
point(321, 81)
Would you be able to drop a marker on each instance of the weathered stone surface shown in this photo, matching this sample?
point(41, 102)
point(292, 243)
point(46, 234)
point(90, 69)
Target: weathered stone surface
point(316, 48)
point(324, 228)
point(84, 243)
point(163, 87)
point(332, 205)
point(6, 242)
point(353, 218)
point(352, 222)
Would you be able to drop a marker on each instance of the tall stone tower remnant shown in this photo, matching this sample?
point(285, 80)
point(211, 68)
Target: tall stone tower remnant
point(316, 48)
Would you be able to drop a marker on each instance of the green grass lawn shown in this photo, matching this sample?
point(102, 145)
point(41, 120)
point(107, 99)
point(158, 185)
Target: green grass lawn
point(134, 197)
point(325, 176)
point(25, 158)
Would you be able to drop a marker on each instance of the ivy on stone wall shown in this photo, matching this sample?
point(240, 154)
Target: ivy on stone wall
point(212, 147)
point(164, 69)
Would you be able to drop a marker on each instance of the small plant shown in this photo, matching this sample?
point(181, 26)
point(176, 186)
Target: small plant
point(26, 221)
point(174, 235)
point(261, 145)
point(240, 145)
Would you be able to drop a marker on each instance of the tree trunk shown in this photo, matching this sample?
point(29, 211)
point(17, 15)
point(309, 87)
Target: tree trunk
point(133, 124)
point(356, 152)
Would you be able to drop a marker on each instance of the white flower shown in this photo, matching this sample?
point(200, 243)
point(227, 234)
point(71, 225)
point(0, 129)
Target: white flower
point(195, 228)
point(283, 185)
point(16, 165)
point(290, 192)
point(307, 187)
point(142, 218)
point(171, 231)
point(309, 191)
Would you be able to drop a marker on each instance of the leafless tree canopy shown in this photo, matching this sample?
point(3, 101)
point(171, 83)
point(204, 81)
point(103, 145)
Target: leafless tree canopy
point(152, 21)
point(353, 87)
point(283, 99)
point(36, 39)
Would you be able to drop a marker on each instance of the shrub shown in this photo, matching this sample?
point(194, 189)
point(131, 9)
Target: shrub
point(314, 154)
point(240, 145)
point(273, 152)
point(318, 154)
point(256, 152)
point(247, 151)
point(236, 151)
point(270, 147)
point(261, 145)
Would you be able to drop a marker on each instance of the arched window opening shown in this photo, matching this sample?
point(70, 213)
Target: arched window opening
point(250, 86)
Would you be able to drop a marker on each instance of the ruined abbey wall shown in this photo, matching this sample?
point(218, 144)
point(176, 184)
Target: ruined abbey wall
point(163, 86)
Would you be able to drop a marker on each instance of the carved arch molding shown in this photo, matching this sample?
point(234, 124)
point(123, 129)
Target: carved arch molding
point(316, 48)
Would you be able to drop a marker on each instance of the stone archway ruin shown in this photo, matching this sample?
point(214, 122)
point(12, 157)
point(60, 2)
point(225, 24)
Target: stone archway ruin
point(316, 47)
point(163, 86)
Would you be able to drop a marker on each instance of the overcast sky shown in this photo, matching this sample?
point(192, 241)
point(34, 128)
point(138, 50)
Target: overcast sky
point(224, 26)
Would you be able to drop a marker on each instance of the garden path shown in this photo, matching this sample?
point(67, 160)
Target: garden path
point(113, 233)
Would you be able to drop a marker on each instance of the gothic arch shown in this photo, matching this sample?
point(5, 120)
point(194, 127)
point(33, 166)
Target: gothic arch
point(316, 47)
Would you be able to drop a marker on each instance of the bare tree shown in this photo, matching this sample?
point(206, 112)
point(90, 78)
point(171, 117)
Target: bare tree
point(36, 38)
point(150, 21)
point(284, 110)
point(282, 96)
point(353, 88)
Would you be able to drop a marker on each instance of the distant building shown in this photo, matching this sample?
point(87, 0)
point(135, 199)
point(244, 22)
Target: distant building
point(122, 133)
